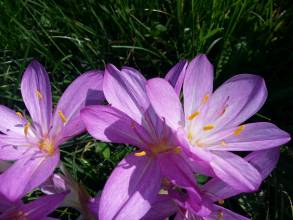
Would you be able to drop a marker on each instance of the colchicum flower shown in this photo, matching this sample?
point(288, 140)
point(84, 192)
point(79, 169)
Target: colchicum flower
point(35, 210)
point(175, 201)
point(34, 144)
point(130, 119)
point(212, 122)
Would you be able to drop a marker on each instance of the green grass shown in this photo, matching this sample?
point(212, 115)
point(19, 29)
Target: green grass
point(70, 37)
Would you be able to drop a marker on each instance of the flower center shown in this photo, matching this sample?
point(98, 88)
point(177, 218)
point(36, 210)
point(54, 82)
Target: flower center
point(47, 146)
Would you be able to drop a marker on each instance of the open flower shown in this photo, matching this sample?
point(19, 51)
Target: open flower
point(35, 210)
point(212, 122)
point(34, 144)
point(130, 119)
point(176, 201)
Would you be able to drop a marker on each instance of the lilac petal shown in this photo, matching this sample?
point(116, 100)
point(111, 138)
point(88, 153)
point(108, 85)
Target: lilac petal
point(26, 174)
point(10, 122)
point(264, 161)
point(38, 209)
point(235, 101)
point(125, 90)
point(235, 171)
point(176, 75)
point(94, 205)
point(134, 184)
point(14, 152)
point(109, 124)
point(255, 136)
point(222, 213)
point(36, 94)
point(165, 101)
point(162, 208)
point(198, 83)
point(66, 121)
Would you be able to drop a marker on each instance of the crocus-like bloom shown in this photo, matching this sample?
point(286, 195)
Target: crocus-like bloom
point(212, 122)
point(35, 210)
point(34, 144)
point(130, 119)
point(177, 201)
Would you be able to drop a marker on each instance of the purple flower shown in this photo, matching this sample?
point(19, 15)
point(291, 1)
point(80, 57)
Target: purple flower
point(130, 119)
point(176, 201)
point(34, 144)
point(35, 210)
point(212, 122)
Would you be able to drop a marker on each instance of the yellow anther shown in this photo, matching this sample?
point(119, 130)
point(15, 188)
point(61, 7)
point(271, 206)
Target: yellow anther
point(205, 99)
point(140, 154)
point(193, 115)
point(62, 116)
point(221, 202)
point(239, 130)
point(166, 182)
point(39, 94)
point(223, 143)
point(189, 136)
point(220, 215)
point(208, 127)
point(26, 127)
point(47, 146)
point(19, 115)
point(199, 144)
point(177, 150)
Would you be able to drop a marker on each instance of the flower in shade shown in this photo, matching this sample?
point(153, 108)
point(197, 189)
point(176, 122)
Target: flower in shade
point(35, 210)
point(175, 201)
point(34, 144)
point(212, 123)
point(130, 119)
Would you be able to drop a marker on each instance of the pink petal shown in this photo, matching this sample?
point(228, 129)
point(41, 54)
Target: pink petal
point(26, 174)
point(15, 152)
point(66, 122)
point(36, 94)
point(198, 83)
point(134, 184)
point(125, 90)
point(109, 124)
point(255, 136)
point(227, 214)
point(165, 102)
point(176, 75)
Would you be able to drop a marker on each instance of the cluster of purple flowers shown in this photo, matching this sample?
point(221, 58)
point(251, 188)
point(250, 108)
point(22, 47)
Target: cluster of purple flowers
point(173, 143)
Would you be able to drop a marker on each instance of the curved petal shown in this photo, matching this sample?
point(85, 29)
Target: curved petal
point(235, 171)
point(222, 213)
point(10, 122)
point(176, 75)
point(251, 137)
point(165, 102)
point(26, 174)
point(198, 83)
point(14, 152)
point(109, 124)
point(134, 184)
point(125, 90)
point(36, 94)
point(234, 102)
point(66, 121)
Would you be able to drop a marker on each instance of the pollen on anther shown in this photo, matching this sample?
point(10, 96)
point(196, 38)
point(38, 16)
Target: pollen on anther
point(220, 215)
point(205, 99)
point(62, 116)
point(223, 143)
point(221, 202)
point(39, 94)
point(193, 115)
point(177, 150)
point(140, 154)
point(208, 127)
point(239, 130)
point(26, 127)
point(19, 115)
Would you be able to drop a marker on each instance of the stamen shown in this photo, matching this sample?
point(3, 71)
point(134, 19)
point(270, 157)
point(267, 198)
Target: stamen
point(239, 130)
point(205, 99)
point(140, 154)
point(221, 202)
point(189, 136)
point(177, 150)
point(26, 127)
point(47, 146)
point(223, 143)
point(199, 144)
point(62, 116)
point(220, 215)
point(193, 115)
point(208, 127)
point(19, 115)
point(39, 94)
